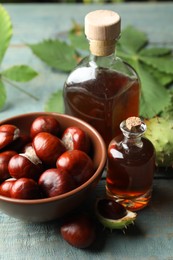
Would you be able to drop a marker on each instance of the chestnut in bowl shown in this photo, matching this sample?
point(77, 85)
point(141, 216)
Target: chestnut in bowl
point(50, 208)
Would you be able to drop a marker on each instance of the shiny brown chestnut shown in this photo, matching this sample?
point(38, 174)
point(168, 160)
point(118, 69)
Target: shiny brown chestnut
point(78, 164)
point(4, 160)
point(21, 165)
point(5, 187)
point(79, 231)
point(8, 133)
point(74, 138)
point(25, 188)
point(18, 144)
point(47, 124)
point(48, 148)
point(54, 182)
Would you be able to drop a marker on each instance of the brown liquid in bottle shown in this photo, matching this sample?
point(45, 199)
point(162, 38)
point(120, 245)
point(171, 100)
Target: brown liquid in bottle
point(102, 100)
point(130, 174)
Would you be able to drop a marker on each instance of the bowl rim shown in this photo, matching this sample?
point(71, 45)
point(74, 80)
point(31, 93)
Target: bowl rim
point(76, 190)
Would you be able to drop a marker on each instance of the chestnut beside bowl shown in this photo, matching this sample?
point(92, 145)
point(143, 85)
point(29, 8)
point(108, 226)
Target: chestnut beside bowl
point(41, 210)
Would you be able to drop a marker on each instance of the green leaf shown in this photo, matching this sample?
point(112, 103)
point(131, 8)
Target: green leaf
point(20, 73)
point(5, 31)
point(163, 64)
point(168, 111)
point(79, 41)
point(57, 54)
point(55, 103)
point(153, 65)
point(163, 78)
point(155, 51)
point(77, 37)
point(3, 95)
point(132, 40)
point(154, 97)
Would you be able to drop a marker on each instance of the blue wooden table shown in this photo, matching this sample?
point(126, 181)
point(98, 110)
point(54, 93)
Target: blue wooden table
point(152, 235)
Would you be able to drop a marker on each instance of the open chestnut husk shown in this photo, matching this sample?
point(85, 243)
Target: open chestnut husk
point(112, 214)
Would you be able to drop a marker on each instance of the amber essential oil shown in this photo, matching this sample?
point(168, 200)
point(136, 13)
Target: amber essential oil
point(102, 90)
point(130, 171)
point(103, 101)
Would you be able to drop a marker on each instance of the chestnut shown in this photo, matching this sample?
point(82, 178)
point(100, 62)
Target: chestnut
point(48, 148)
point(54, 182)
point(111, 209)
point(47, 124)
point(5, 187)
point(18, 144)
point(25, 188)
point(78, 164)
point(75, 138)
point(79, 231)
point(8, 133)
point(113, 215)
point(21, 165)
point(4, 160)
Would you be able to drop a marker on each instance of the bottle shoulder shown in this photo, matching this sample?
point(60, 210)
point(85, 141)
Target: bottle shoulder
point(117, 150)
point(90, 68)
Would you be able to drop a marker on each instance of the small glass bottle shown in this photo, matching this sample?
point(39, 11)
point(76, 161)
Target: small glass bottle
point(102, 90)
point(131, 164)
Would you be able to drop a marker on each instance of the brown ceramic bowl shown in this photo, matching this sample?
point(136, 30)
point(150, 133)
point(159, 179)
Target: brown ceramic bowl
point(47, 209)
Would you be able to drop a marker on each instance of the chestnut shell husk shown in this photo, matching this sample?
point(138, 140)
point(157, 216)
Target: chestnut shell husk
point(120, 223)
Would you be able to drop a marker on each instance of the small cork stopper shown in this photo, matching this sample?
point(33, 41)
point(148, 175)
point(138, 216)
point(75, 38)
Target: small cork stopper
point(133, 124)
point(102, 25)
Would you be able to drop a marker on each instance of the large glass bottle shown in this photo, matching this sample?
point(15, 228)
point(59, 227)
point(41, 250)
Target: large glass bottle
point(102, 90)
point(130, 167)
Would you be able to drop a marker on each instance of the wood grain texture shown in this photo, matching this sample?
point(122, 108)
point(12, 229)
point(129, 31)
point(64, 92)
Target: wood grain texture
point(151, 237)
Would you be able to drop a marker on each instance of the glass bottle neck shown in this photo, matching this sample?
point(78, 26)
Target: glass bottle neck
point(102, 61)
point(130, 141)
point(132, 135)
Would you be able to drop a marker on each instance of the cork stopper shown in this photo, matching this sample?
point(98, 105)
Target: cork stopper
point(133, 125)
point(102, 28)
point(103, 25)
